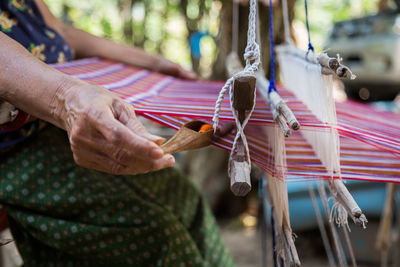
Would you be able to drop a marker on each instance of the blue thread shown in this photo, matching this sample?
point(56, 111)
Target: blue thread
point(310, 46)
point(271, 32)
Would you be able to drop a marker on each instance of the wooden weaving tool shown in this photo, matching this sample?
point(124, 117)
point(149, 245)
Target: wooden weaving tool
point(193, 135)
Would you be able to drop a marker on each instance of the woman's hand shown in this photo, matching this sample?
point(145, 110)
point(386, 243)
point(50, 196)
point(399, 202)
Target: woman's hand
point(105, 133)
point(103, 130)
point(165, 66)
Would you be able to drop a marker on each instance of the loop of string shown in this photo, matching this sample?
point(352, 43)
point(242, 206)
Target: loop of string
point(252, 58)
point(310, 46)
point(271, 86)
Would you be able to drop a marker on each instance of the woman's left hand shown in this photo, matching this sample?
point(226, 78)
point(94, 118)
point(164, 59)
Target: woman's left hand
point(167, 67)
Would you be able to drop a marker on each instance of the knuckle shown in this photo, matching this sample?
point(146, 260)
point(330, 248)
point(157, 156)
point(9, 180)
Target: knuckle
point(74, 135)
point(117, 168)
point(92, 112)
point(115, 136)
point(77, 159)
point(120, 155)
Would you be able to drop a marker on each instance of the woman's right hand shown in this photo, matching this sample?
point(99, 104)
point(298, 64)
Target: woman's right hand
point(105, 133)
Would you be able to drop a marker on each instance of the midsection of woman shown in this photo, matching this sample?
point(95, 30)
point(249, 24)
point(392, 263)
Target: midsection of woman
point(67, 215)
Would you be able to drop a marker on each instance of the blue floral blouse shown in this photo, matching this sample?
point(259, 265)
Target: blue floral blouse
point(22, 21)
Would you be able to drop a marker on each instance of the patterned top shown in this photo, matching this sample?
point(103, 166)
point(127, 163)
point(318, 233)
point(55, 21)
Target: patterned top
point(22, 21)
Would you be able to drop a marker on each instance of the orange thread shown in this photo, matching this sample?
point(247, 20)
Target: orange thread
point(205, 128)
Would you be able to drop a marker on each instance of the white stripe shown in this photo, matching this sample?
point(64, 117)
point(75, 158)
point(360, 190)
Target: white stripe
point(127, 80)
point(100, 72)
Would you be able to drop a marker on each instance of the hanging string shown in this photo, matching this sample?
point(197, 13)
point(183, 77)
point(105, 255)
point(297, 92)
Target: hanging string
point(310, 46)
point(271, 86)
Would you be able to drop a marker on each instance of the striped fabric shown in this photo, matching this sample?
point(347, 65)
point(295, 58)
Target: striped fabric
point(370, 139)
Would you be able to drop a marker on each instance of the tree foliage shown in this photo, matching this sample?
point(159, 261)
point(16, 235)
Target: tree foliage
point(165, 26)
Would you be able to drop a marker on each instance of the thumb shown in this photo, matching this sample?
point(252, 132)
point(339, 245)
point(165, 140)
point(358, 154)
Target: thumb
point(126, 115)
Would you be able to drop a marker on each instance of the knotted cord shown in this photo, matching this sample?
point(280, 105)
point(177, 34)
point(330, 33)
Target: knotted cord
point(252, 58)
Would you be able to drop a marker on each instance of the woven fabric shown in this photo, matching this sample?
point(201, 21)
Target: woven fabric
point(370, 139)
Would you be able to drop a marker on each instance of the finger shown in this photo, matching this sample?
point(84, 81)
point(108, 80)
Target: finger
point(122, 138)
point(89, 158)
point(125, 113)
point(96, 145)
point(188, 75)
point(154, 165)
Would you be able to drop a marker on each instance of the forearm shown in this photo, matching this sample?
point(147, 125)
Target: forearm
point(87, 45)
point(30, 84)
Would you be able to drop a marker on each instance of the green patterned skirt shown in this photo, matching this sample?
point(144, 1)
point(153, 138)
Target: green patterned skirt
point(63, 215)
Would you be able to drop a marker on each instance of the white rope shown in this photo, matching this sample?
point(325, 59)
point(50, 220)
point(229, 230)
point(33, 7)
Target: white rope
point(252, 58)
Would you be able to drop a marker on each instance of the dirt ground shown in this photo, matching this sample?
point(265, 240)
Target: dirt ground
point(245, 246)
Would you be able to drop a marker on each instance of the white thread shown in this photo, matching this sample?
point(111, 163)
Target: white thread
point(221, 96)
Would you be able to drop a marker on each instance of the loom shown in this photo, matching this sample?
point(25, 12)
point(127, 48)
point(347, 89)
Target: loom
point(370, 149)
point(366, 149)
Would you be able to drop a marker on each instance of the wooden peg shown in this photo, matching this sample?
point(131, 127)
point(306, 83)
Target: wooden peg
point(239, 171)
point(244, 89)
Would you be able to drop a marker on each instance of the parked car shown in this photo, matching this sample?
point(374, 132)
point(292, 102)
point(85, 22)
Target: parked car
point(370, 46)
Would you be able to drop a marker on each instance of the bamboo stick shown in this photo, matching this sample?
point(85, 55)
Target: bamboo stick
point(329, 65)
point(343, 196)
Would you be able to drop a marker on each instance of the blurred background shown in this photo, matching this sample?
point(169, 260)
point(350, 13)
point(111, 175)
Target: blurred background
point(197, 34)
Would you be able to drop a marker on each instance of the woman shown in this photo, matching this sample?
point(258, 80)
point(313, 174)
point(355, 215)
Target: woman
point(64, 214)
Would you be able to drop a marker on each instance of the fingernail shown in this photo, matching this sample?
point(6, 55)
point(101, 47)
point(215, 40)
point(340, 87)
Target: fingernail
point(156, 139)
point(171, 160)
point(157, 152)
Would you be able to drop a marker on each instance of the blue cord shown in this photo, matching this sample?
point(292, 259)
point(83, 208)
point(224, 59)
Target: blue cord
point(310, 46)
point(271, 32)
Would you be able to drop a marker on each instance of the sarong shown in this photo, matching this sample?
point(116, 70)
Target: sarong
point(61, 214)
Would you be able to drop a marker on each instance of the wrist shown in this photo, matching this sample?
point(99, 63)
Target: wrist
point(59, 101)
point(157, 63)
